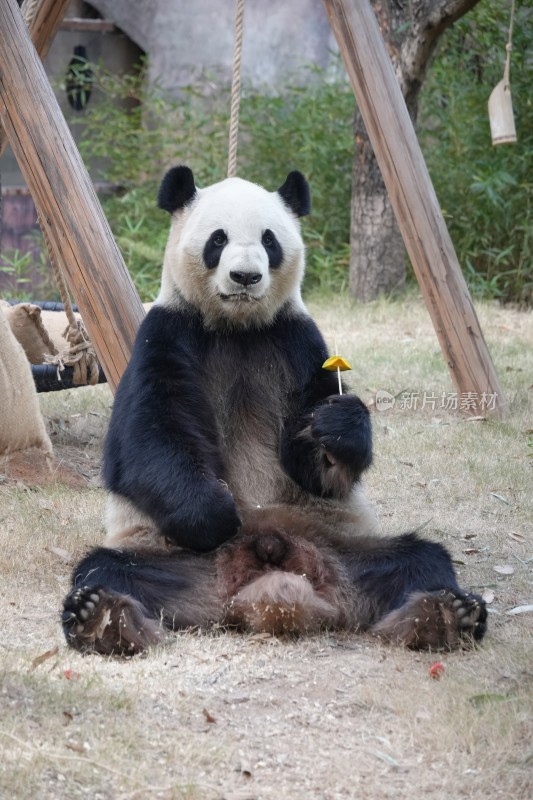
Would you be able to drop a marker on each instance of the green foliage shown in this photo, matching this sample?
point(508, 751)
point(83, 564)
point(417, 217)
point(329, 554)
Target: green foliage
point(130, 137)
point(485, 191)
point(309, 129)
point(134, 134)
point(27, 275)
point(16, 265)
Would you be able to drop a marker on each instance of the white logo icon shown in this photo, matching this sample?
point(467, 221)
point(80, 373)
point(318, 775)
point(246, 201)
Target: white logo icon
point(384, 400)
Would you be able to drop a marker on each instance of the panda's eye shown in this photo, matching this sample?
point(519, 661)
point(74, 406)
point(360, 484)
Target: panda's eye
point(273, 249)
point(219, 239)
point(214, 248)
point(268, 239)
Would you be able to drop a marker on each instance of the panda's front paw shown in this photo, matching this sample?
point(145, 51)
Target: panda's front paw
point(341, 427)
point(207, 520)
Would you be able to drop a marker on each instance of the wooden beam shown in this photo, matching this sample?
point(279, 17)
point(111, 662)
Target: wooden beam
point(65, 198)
point(92, 25)
point(100, 187)
point(45, 22)
point(413, 198)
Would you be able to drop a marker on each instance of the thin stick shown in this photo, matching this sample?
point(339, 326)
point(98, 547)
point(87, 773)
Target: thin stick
point(338, 368)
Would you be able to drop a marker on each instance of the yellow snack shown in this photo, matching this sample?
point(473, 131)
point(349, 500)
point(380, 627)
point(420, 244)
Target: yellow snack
point(336, 362)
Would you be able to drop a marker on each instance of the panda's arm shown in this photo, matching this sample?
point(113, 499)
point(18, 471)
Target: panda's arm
point(327, 438)
point(161, 451)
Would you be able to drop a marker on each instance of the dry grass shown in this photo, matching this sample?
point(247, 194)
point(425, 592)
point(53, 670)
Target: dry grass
point(328, 717)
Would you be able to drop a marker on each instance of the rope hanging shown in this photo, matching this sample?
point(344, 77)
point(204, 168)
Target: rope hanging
point(508, 48)
point(235, 91)
point(28, 10)
point(79, 353)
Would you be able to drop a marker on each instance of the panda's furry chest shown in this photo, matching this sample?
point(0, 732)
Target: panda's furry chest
point(249, 383)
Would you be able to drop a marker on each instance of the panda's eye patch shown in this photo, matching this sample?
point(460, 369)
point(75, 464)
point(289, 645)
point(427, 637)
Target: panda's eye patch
point(273, 248)
point(213, 248)
point(219, 239)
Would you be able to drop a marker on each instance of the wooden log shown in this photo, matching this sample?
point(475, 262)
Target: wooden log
point(65, 198)
point(92, 25)
point(45, 23)
point(43, 26)
point(413, 198)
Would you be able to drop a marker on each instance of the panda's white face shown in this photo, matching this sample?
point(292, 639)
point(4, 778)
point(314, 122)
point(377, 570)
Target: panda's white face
point(235, 253)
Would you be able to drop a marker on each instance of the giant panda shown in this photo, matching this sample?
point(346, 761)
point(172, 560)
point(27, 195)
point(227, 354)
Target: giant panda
point(234, 465)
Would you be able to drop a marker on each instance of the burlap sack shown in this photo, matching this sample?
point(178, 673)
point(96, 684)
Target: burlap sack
point(26, 323)
point(40, 332)
point(21, 424)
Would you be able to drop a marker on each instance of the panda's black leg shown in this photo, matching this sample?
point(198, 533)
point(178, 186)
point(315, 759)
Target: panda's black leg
point(412, 594)
point(443, 620)
point(122, 601)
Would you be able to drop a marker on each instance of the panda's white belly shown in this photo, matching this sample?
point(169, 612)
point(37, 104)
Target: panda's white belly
point(255, 476)
point(249, 401)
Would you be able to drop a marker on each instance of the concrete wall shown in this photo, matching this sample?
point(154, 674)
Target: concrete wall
point(186, 38)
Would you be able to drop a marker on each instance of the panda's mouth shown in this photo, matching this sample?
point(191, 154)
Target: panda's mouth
point(239, 297)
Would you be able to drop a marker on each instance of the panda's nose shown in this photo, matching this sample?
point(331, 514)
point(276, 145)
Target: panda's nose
point(245, 278)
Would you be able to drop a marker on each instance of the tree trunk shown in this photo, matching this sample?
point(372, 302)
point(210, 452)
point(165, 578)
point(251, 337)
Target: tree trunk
point(377, 254)
point(411, 31)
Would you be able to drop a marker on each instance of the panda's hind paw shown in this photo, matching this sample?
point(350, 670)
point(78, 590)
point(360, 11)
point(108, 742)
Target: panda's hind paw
point(80, 604)
point(99, 620)
point(471, 613)
point(84, 611)
point(441, 620)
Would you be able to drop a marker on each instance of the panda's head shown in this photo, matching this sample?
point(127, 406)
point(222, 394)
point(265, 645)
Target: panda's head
point(234, 252)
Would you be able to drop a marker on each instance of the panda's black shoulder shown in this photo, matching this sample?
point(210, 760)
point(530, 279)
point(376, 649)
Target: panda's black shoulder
point(167, 342)
point(298, 336)
point(167, 333)
point(170, 340)
point(294, 326)
point(165, 323)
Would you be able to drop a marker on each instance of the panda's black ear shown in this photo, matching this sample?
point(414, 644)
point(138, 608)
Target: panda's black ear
point(295, 192)
point(176, 190)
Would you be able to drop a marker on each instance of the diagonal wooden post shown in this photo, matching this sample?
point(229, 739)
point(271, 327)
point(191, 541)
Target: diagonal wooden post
point(45, 21)
point(413, 199)
point(65, 198)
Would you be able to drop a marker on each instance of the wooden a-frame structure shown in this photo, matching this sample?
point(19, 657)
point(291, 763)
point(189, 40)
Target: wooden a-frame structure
point(85, 248)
